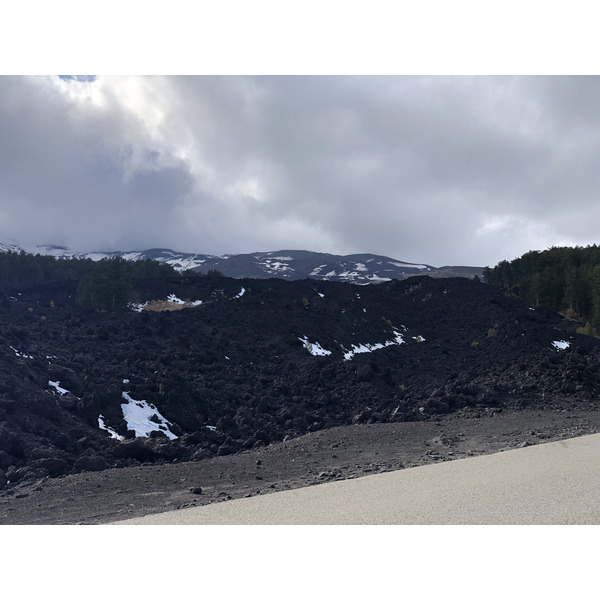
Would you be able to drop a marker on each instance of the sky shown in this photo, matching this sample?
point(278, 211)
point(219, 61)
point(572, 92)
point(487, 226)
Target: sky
point(357, 131)
point(438, 169)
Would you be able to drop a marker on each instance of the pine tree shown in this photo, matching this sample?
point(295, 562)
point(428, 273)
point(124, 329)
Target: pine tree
point(105, 287)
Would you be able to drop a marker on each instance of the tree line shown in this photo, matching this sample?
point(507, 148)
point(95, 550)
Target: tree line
point(103, 285)
point(563, 278)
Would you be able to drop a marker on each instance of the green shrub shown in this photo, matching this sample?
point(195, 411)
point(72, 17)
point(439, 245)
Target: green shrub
point(587, 330)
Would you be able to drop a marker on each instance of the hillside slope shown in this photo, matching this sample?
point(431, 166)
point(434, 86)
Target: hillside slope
point(286, 264)
point(261, 360)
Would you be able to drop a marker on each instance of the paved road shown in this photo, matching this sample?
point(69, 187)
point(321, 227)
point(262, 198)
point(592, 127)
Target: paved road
point(549, 484)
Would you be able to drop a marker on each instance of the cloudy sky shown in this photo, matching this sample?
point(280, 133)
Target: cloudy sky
point(435, 169)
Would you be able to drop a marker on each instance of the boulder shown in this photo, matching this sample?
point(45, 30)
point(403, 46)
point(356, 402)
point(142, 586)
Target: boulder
point(90, 463)
point(141, 449)
point(54, 465)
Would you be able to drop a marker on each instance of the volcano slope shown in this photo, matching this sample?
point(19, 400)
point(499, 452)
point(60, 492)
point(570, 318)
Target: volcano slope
point(269, 371)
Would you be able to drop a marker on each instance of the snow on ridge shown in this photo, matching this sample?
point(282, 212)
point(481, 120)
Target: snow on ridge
point(138, 415)
point(317, 270)
point(408, 265)
point(274, 265)
point(181, 263)
point(131, 256)
point(314, 347)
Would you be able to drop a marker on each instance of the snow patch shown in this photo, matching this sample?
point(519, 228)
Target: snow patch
point(408, 265)
point(55, 384)
point(363, 348)
point(175, 299)
point(21, 354)
point(275, 265)
point(137, 307)
point(314, 347)
point(242, 292)
point(561, 344)
point(138, 415)
point(317, 270)
point(113, 433)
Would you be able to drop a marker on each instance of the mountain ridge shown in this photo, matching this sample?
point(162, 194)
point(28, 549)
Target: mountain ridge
point(358, 268)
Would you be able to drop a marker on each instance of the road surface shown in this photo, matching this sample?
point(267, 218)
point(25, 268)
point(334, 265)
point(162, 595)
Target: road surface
point(548, 484)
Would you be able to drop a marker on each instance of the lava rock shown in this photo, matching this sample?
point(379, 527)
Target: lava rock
point(141, 449)
point(90, 463)
point(229, 446)
point(53, 465)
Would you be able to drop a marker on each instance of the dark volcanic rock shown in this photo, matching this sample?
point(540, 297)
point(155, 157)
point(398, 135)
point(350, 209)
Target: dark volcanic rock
point(141, 449)
point(53, 466)
point(90, 463)
point(281, 360)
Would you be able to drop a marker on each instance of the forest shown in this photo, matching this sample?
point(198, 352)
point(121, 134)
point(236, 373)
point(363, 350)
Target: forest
point(565, 279)
point(103, 285)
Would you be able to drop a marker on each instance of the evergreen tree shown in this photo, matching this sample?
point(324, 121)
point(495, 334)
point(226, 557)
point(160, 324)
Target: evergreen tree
point(105, 287)
point(560, 278)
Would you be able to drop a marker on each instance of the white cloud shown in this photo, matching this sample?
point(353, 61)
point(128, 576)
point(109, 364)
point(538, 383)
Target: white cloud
point(442, 170)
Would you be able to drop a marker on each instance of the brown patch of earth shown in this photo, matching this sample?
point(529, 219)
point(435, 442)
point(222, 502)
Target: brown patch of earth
point(335, 454)
point(162, 305)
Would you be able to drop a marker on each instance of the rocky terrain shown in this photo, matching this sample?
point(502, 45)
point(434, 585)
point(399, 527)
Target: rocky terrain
point(343, 452)
point(242, 372)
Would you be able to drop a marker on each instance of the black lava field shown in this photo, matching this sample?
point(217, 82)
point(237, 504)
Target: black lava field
point(261, 360)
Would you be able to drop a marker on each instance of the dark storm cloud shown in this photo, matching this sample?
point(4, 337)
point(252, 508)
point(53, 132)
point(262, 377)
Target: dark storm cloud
point(73, 174)
point(443, 170)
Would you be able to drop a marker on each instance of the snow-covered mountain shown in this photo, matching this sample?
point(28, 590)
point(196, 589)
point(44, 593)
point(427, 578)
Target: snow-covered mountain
point(285, 264)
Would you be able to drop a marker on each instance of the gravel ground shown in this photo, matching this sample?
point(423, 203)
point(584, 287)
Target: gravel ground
point(318, 457)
